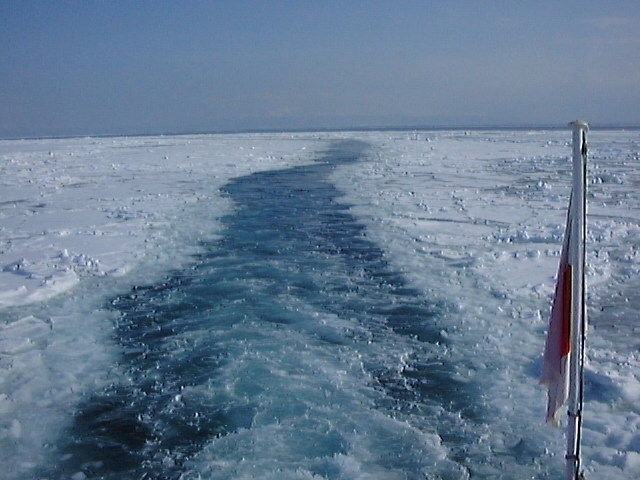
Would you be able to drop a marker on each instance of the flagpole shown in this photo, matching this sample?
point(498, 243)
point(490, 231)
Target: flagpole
point(578, 324)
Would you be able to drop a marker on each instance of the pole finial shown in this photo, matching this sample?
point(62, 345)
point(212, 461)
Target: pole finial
point(579, 125)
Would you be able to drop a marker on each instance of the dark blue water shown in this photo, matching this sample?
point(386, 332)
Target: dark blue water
point(288, 348)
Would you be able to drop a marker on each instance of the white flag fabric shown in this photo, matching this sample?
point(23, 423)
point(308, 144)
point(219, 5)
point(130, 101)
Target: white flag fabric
point(555, 364)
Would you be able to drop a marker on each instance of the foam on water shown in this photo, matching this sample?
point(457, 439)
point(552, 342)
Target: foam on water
point(291, 349)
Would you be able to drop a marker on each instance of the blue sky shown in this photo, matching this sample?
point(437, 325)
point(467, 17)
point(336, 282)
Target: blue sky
point(138, 67)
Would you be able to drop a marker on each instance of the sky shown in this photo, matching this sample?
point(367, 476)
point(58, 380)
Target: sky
point(115, 67)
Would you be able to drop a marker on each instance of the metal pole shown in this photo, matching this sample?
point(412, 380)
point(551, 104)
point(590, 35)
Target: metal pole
point(577, 262)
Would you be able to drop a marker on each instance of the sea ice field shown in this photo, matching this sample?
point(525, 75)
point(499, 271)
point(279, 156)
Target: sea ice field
point(309, 305)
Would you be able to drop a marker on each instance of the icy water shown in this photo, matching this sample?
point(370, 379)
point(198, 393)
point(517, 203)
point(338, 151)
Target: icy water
point(290, 349)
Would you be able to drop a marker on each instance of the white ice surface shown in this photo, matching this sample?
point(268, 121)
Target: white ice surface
point(93, 206)
point(474, 218)
point(477, 218)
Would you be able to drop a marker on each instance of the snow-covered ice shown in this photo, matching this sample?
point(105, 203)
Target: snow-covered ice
point(472, 220)
point(93, 206)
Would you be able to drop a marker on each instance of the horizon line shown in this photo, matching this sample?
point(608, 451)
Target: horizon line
point(387, 128)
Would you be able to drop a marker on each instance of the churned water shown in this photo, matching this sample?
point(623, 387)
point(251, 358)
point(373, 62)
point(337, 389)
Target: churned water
point(289, 349)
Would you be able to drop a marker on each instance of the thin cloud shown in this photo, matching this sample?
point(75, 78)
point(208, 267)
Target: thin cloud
point(627, 40)
point(607, 23)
